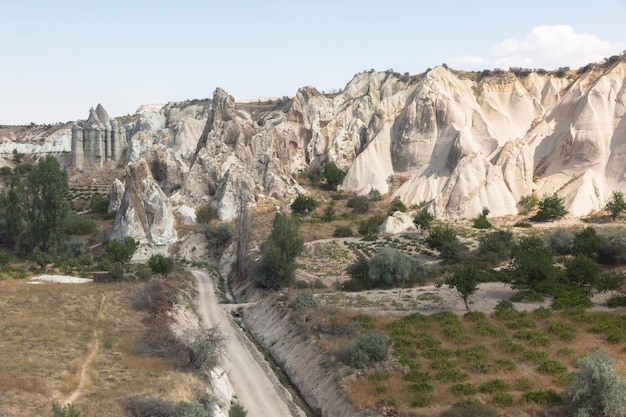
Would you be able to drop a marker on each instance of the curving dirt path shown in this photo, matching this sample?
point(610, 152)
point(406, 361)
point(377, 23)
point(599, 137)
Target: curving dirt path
point(83, 372)
point(257, 388)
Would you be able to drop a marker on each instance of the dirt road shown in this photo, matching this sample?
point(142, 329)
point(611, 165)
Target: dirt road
point(257, 388)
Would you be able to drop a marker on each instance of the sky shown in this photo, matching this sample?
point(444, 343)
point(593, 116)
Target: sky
point(59, 58)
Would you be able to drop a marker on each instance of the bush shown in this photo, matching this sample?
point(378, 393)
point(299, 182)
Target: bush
point(550, 208)
point(496, 247)
point(374, 195)
point(502, 399)
point(616, 204)
point(616, 301)
point(79, 225)
point(278, 264)
point(596, 388)
point(564, 331)
point(613, 246)
point(152, 407)
point(423, 219)
point(303, 204)
point(581, 270)
point(529, 203)
point(359, 204)
point(342, 231)
point(369, 228)
point(586, 242)
point(524, 225)
point(440, 236)
point(533, 266)
point(332, 175)
point(161, 265)
point(560, 241)
point(329, 214)
point(494, 385)
point(367, 347)
point(533, 337)
point(391, 267)
point(218, 237)
point(66, 410)
point(237, 410)
point(481, 221)
point(305, 299)
point(547, 398)
point(397, 205)
point(206, 214)
point(99, 204)
point(570, 296)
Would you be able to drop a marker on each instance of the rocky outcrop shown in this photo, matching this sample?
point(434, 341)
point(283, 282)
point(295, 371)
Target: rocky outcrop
point(116, 193)
point(98, 139)
point(399, 222)
point(145, 212)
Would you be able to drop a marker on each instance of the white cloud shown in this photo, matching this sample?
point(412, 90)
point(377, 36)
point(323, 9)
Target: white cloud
point(551, 47)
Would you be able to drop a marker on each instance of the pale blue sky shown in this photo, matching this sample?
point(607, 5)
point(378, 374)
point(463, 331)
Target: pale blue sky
point(58, 58)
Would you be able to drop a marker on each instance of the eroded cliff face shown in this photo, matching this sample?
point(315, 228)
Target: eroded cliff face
point(456, 141)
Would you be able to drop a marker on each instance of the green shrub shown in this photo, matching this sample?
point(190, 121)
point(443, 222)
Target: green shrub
point(494, 385)
point(547, 398)
point(502, 399)
point(505, 364)
point(452, 375)
point(581, 270)
point(205, 214)
point(616, 301)
point(374, 195)
point(379, 375)
point(505, 310)
point(552, 367)
point(161, 265)
point(496, 246)
point(561, 240)
point(535, 356)
point(397, 205)
point(465, 388)
point(332, 175)
point(99, 204)
point(304, 300)
point(423, 219)
point(369, 228)
point(421, 400)
point(524, 383)
point(533, 337)
point(564, 331)
point(596, 388)
point(550, 208)
point(304, 204)
point(367, 347)
point(613, 245)
point(391, 267)
point(542, 312)
point(66, 410)
point(529, 203)
point(524, 225)
point(79, 225)
point(329, 214)
point(237, 410)
point(521, 322)
point(481, 221)
point(359, 204)
point(570, 296)
point(342, 231)
point(218, 237)
point(439, 236)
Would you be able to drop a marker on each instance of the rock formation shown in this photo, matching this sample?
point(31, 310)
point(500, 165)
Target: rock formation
point(99, 138)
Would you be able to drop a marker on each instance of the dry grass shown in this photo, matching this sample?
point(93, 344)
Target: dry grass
point(47, 333)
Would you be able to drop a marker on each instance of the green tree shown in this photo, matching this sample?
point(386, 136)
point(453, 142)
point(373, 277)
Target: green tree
point(610, 281)
point(397, 205)
point(616, 204)
point(303, 204)
point(533, 265)
point(596, 388)
point(121, 252)
point(581, 270)
point(529, 203)
point(161, 265)
point(496, 246)
point(13, 210)
point(280, 250)
point(333, 175)
point(550, 208)
point(47, 207)
point(465, 280)
point(423, 219)
point(587, 242)
point(481, 221)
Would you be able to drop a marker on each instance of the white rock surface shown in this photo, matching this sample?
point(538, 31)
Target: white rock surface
point(399, 222)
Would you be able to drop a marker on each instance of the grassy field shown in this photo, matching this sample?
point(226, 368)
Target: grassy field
point(49, 330)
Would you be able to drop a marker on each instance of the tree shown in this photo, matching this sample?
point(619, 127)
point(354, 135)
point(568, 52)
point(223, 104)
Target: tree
point(586, 242)
point(161, 265)
point(13, 204)
point(610, 281)
point(397, 205)
point(616, 204)
point(121, 252)
point(533, 265)
point(333, 175)
point(529, 203)
point(581, 270)
point(496, 246)
point(47, 206)
point(465, 280)
point(423, 219)
point(280, 250)
point(550, 208)
point(303, 204)
point(596, 388)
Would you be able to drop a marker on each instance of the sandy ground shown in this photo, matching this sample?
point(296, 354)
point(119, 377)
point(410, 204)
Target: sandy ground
point(257, 388)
